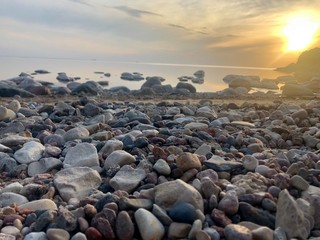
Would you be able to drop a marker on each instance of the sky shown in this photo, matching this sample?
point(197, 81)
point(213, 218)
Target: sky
point(232, 33)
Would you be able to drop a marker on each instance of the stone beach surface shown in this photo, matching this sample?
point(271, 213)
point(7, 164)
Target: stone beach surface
point(134, 167)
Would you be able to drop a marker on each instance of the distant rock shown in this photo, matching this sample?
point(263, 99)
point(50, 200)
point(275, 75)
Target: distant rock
point(132, 76)
point(306, 67)
point(296, 90)
point(151, 82)
point(188, 86)
point(64, 78)
point(232, 77)
point(199, 74)
point(119, 89)
point(89, 87)
point(197, 78)
point(41, 71)
point(104, 83)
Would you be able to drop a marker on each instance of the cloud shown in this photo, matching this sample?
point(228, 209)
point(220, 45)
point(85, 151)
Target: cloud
point(187, 29)
point(82, 2)
point(135, 12)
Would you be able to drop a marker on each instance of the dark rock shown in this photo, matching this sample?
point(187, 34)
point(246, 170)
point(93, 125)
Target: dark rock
point(124, 226)
point(258, 216)
point(66, 220)
point(119, 89)
point(188, 86)
point(151, 82)
point(89, 87)
point(183, 212)
point(44, 220)
point(10, 91)
point(108, 198)
point(41, 71)
point(221, 165)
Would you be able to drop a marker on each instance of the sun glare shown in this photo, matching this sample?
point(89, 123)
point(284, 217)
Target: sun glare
point(299, 33)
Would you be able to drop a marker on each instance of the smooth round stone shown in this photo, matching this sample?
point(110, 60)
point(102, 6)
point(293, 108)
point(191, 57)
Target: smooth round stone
point(79, 236)
point(149, 226)
point(178, 230)
point(183, 212)
point(82, 155)
point(43, 165)
point(14, 105)
point(202, 235)
point(262, 233)
point(93, 234)
point(18, 224)
point(110, 146)
point(11, 230)
point(83, 224)
point(90, 210)
point(265, 170)
point(53, 150)
point(12, 187)
point(234, 231)
point(187, 161)
point(57, 234)
point(76, 133)
point(229, 204)
point(127, 178)
point(124, 226)
point(7, 198)
point(196, 125)
point(161, 214)
point(36, 235)
point(196, 226)
point(162, 167)
point(299, 183)
point(204, 149)
point(118, 157)
point(274, 191)
point(42, 204)
point(213, 233)
point(250, 163)
point(30, 152)
point(269, 205)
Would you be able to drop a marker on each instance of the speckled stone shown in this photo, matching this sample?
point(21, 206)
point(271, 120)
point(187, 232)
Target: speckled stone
point(234, 231)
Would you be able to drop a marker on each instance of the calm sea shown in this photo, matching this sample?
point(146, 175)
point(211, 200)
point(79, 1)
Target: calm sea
point(85, 69)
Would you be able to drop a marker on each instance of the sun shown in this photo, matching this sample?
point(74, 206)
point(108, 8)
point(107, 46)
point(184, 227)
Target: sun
point(300, 32)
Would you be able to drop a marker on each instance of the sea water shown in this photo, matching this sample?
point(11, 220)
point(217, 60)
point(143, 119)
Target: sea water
point(87, 70)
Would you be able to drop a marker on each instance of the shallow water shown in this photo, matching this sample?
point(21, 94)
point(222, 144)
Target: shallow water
point(85, 69)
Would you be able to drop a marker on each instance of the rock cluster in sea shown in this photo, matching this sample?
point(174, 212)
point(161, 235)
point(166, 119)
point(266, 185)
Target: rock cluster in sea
point(97, 169)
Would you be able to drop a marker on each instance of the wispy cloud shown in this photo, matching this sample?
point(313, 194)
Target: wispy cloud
point(82, 2)
point(135, 12)
point(187, 29)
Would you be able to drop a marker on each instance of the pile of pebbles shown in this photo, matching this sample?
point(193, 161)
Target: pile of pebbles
point(96, 169)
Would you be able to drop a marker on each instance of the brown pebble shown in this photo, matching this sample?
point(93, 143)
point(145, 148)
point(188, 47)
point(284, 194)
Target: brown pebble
point(124, 226)
point(90, 210)
point(202, 235)
point(113, 206)
point(83, 224)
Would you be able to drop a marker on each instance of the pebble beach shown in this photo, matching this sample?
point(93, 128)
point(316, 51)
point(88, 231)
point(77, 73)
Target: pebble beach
point(87, 167)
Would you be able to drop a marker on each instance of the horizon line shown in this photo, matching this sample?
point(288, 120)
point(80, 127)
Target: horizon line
point(146, 63)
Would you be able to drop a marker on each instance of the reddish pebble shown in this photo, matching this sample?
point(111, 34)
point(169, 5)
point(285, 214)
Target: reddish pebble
point(93, 234)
